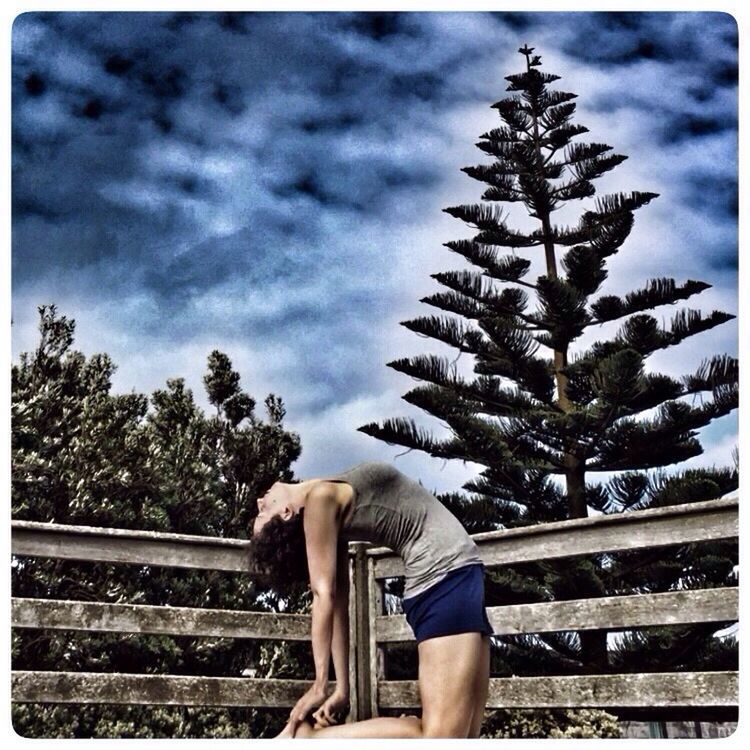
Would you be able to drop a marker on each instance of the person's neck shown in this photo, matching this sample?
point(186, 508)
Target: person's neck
point(302, 490)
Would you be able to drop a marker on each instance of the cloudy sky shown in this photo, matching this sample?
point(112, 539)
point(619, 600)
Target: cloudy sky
point(272, 185)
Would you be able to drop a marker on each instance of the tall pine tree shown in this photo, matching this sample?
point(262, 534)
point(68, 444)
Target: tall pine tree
point(544, 419)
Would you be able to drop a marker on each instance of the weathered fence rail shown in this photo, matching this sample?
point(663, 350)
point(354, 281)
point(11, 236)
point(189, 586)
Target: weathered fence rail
point(371, 628)
point(143, 618)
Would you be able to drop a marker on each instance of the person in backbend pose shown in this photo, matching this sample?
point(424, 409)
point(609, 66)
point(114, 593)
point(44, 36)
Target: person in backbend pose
point(302, 530)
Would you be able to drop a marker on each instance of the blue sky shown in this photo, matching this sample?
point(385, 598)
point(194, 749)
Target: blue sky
point(272, 185)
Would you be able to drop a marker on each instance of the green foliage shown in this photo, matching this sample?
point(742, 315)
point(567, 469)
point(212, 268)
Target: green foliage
point(82, 455)
point(584, 723)
point(146, 722)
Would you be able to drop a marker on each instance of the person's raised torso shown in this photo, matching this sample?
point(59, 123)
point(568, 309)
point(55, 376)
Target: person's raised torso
point(388, 508)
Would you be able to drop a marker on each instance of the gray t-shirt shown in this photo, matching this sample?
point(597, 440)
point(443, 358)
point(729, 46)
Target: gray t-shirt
point(389, 509)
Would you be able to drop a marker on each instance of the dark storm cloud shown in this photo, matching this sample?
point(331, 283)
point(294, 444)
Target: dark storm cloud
point(517, 21)
point(694, 63)
point(719, 195)
point(685, 126)
point(621, 38)
point(159, 81)
point(379, 26)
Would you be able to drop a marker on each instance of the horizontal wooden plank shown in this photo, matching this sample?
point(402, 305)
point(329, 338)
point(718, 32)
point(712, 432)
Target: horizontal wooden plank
point(678, 524)
point(164, 690)
point(142, 618)
point(609, 613)
point(704, 689)
point(699, 689)
point(129, 546)
point(653, 527)
point(133, 546)
point(127, 534)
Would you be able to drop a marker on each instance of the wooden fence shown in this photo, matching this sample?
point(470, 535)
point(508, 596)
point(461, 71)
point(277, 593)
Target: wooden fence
point(371, 629)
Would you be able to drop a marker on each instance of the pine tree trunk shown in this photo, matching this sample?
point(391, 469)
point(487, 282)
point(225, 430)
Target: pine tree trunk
point(575, 483)
point(594, 651)
point(593, 642)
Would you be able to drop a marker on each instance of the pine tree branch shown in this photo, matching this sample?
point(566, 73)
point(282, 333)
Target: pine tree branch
point(508, 268)
point(716, 371)
point(510, 302)
point(649, 558)
point(449, 331)
point(662, 291)
point(643, 334)
point(404, 431)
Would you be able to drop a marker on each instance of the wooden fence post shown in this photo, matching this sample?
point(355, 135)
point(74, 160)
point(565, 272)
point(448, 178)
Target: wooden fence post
point(376, 653)
point(362, 631)
point(354, 701)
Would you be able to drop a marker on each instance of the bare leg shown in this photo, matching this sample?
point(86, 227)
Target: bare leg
point(448, 665)
point(481, 690)
point(384, 727)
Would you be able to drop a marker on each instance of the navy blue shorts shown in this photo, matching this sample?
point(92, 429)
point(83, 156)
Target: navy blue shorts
point(455, 604)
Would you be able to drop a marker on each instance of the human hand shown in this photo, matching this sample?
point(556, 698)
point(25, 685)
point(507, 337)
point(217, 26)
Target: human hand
point(333, 710)
point(314, 696)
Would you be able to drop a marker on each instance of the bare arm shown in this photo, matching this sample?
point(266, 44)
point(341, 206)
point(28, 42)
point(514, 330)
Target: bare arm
point(340, 640)
point(321, 537)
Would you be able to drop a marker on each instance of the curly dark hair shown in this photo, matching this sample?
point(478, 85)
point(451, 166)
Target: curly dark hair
point(278, 554)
